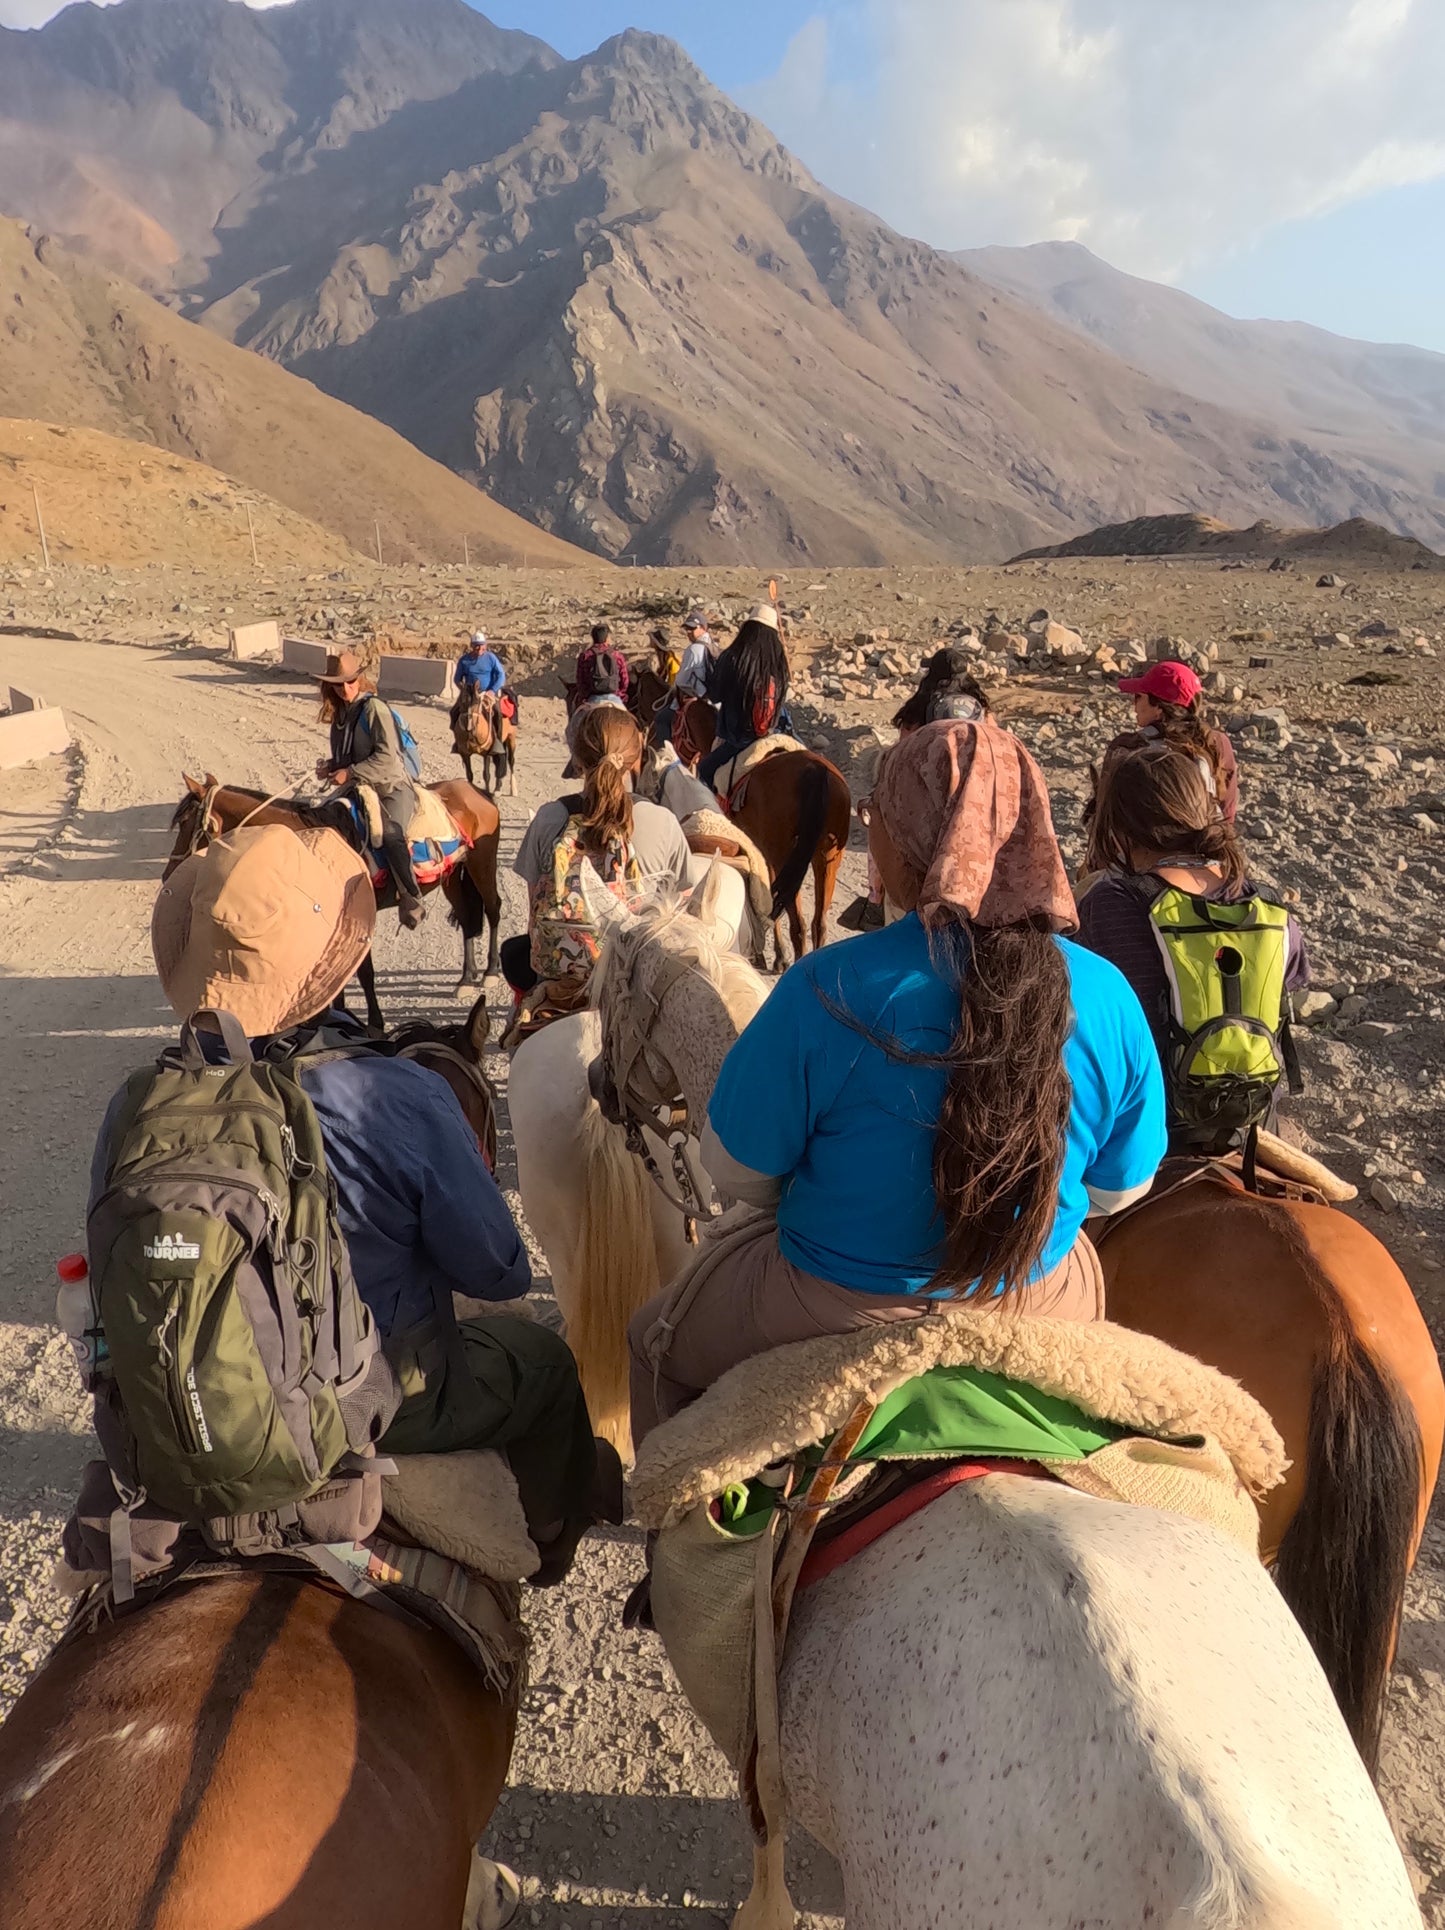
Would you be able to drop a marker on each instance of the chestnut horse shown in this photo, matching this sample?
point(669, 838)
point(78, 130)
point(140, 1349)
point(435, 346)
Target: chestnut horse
point(796, 808)
point(483, 729)
point(1305, 1308)
point(258, 1750)
point(210, 809)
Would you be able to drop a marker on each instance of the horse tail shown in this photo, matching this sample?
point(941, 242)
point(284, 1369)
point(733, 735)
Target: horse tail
point(814, 787)
point(1344, 1559)
point(614, 1275)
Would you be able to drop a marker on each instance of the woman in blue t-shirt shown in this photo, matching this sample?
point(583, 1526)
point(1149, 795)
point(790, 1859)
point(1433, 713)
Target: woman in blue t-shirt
point(931, 1110)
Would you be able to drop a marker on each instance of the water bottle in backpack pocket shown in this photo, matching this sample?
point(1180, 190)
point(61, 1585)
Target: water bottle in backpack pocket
point(1228, 1045)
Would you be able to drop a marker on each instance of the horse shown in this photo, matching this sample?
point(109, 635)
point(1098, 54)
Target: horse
point(209, 810)
point(796, 808)
point(647, 692)
point(610, 1237)
point(1308, 1310)
point(1301, 1304)
point(481, 728)
point(248, 1750)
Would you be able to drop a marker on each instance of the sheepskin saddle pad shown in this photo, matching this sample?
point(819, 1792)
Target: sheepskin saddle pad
point(779, 1404)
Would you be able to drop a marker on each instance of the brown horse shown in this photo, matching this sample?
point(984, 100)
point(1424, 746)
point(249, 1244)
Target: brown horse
point(254, 1751)
point(210, 809)
point(796, 808)
point(481, 728)
point(1306, 1309)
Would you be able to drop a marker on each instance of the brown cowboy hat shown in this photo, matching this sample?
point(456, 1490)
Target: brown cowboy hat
point(342, 667)
point(268, 923)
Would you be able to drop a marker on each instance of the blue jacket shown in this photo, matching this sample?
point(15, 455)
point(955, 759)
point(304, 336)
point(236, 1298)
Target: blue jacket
point(485, 669)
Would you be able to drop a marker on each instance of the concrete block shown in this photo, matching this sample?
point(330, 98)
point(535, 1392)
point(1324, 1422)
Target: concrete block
point(23, 700)
point(307, 658)
point(29, 734)
point(416, 677)
point(252, 640)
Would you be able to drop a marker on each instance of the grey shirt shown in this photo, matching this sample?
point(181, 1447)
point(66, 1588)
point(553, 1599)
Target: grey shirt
point(657, 844)
point(365, 741)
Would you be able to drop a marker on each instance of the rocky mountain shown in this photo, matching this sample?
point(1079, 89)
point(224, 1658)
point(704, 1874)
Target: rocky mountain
point(1356, 542)
point(606, 294)
point(88, 350)
point(1373, 401)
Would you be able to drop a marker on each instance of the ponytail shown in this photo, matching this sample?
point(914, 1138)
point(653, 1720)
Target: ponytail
point(1154, 800)
point(1185, 727)
point(607, 745)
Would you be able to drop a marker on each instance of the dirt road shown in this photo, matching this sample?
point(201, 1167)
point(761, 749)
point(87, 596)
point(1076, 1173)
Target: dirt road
point(620, 1812)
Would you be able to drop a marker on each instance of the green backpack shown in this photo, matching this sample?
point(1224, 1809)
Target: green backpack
point(241, 1377)
point(1228, 1043)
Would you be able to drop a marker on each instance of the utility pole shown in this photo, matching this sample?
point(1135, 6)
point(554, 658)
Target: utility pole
point(40, 524)
point(466, 552)
point(251, 532)
point(378, 543)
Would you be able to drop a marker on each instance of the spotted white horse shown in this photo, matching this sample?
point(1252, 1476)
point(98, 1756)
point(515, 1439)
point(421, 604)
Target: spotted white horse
point(1025, 1706)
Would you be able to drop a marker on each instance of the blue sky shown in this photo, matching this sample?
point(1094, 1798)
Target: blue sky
point(1275, 157)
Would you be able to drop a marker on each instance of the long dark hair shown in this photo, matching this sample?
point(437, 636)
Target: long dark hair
point(1185, 727)
point(1155, 800)
point(945, 674)
point(606, 745)
point(758, 665)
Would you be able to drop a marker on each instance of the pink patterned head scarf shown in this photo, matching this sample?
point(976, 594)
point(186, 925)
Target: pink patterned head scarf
point(967, 809)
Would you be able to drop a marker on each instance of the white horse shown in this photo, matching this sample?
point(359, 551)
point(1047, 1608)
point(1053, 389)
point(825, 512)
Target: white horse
point(610, 1237)
point(1026, 1707)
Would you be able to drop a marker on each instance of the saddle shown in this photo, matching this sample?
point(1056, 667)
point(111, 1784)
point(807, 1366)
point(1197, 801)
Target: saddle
point(438, 843)
point(729, 779)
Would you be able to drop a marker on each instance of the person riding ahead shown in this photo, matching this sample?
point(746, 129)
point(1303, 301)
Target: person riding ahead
point(690, 679)
point(1169, 709)
point(749, 685)
point(631, 844)
point(481, 671)
point(366, 749)
point(1168, 856)
point(601, 669)
point(933, 1109)
point(265, 928)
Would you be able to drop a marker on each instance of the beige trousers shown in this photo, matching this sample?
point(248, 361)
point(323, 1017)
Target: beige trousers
point(741, 1298)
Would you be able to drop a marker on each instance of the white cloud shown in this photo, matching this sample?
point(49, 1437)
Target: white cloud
point(1162, 133)
point(34, 13)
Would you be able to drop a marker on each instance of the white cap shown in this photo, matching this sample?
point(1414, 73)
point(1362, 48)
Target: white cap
point(479, 636)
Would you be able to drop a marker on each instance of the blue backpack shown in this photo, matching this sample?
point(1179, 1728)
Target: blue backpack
point(409, 751)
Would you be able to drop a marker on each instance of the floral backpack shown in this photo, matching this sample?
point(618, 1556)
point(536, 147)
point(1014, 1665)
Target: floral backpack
point(565, 939)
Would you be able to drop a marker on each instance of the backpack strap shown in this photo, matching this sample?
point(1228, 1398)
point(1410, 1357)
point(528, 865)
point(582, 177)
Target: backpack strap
point(227, 1025)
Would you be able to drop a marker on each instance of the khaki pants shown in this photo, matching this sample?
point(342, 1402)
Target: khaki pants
point(744, 1298)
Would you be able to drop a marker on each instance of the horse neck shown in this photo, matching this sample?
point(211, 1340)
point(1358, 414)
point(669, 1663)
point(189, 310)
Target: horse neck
point(696, 1052)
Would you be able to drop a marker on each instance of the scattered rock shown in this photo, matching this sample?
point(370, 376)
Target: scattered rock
point(1329, 581)
point(1384, 1196)
point(1313, 1008)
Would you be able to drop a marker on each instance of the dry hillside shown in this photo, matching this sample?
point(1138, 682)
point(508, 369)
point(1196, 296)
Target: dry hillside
point(605, 293)
point(86, 349)
point(106, 500)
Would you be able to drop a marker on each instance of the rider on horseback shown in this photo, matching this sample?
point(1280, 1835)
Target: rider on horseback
point(601, 669)
point(933, 1110)
point(749, 685)
point(366, 749)
point(691, 676)
point(480, 671)
point(266, 927)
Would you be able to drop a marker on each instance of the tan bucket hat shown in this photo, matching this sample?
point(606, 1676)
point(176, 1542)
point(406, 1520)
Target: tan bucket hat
point(765, 613)
point(342, 667)
point(268, 923)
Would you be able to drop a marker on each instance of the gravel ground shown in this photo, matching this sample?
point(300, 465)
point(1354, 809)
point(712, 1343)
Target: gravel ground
point(620, 1812)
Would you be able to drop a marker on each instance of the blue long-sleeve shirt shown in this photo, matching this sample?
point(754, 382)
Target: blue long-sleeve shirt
point(421, 1214)
point(485, 669)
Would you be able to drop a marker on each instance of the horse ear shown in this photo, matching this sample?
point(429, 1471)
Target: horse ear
point(193, 784)
point(719, 904)
point(478, 1028)
point(604, 908)
point(212, 781)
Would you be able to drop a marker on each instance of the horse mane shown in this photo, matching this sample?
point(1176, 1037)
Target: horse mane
point(311, 817)
point(665, 920)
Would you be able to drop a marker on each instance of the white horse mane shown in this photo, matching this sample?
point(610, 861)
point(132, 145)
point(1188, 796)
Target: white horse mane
point(666, 920)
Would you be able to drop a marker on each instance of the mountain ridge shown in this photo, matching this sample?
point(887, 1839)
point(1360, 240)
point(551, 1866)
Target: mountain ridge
point(608, 295)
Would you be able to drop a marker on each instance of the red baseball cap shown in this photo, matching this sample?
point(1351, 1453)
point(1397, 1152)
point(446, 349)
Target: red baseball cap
point(1166, 683)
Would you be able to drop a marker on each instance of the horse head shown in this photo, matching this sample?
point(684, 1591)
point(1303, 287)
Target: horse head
point(657, 761)
point(195, 821)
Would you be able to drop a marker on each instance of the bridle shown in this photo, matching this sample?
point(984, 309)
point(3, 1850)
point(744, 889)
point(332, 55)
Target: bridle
point(207, 824)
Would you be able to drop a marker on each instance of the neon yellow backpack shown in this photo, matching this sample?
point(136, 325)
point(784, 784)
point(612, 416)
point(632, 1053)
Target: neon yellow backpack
point(1228, 1038)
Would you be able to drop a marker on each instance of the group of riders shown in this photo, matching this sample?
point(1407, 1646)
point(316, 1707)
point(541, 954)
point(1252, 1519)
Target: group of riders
point(935, 1109)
